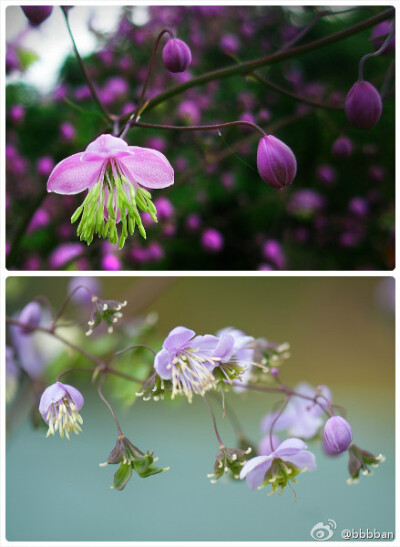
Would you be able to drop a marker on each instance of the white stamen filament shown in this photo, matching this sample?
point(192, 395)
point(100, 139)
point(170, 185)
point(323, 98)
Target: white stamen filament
point(189, 375)
point(63, 416)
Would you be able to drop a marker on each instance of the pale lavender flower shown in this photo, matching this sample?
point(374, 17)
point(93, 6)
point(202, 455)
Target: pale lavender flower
point(59, 405)
point(280, 466)
point(187, 361)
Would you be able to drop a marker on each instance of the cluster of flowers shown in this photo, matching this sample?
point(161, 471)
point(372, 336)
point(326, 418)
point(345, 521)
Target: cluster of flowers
point(190, 365)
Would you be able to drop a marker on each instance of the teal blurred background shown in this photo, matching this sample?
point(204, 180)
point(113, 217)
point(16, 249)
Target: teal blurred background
point(341, 332)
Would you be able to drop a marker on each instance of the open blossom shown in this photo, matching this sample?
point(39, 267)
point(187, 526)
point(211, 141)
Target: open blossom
point(280, 466)
point(188, 361)
point(301, 417)
point(236, 353)
point(59, 406)
point(115, 176)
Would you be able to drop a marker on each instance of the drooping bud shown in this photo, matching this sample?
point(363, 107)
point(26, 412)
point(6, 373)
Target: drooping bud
point(276, 162)
point(229, 461)
point(363, 105)
point(177, 56)
point(342, 147)
point(108, 311)
point(360, 461)
point(37, 14)
point(338, 434)
point(130, 459)
point(31, 315)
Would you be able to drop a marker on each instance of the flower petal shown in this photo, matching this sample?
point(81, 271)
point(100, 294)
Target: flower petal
point(76, 396)
point(106, 146)
point(205, 344)
point(289, 447)
point(255, 469)
point(224, 349)
point(303, 460)
point(147, 167)
point(73, 175)
point(161, 362)
point(50, 395)
point(178, 338)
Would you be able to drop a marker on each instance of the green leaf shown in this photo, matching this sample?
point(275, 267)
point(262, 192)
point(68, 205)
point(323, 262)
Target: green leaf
point(122, 476)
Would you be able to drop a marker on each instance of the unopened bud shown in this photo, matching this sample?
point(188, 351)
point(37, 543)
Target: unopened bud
point(363, 105)
point(276, 162)
point(177, 56)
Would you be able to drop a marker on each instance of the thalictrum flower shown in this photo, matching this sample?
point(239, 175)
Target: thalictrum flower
point(301, 417)
point(59, 406)
point(115, 176)
point(236, 352)
point(187, 361)
point(283, 464)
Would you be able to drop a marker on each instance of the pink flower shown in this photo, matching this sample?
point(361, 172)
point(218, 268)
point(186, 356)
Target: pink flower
point(115, 176)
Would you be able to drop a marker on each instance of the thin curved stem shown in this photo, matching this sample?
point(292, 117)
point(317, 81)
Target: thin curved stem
point(136, 113)
point(51, 332)
point(250, 66)
point(129, 377)
point(67, 301)
point(287, 399)
point(374, 54)
point(221, 444)
point(74, 369)
point(110, 408)
point(136, 346)
point(201, 127)
point(88, 79)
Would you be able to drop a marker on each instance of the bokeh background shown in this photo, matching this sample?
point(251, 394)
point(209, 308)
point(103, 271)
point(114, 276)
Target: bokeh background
point(344, 220)
point(341, 332)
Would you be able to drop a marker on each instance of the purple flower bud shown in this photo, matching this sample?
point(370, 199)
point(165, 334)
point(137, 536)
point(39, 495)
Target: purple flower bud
point(338, 434)
point(363, 105)
point(31, 314)
point(190, 112)
point(45, 166)
point(229, 44)
point(212, 240)
point(342, 148)
point(110, 262)
point(272, 251)
point(276, 163)
point(165, 209)
point(326, 174)
point(17, 113)
point(67, 131)
point(193, 222)
point(359, 206)
point(379, 35)
point(177, 56)
point(37, 14)
point(64, 254)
